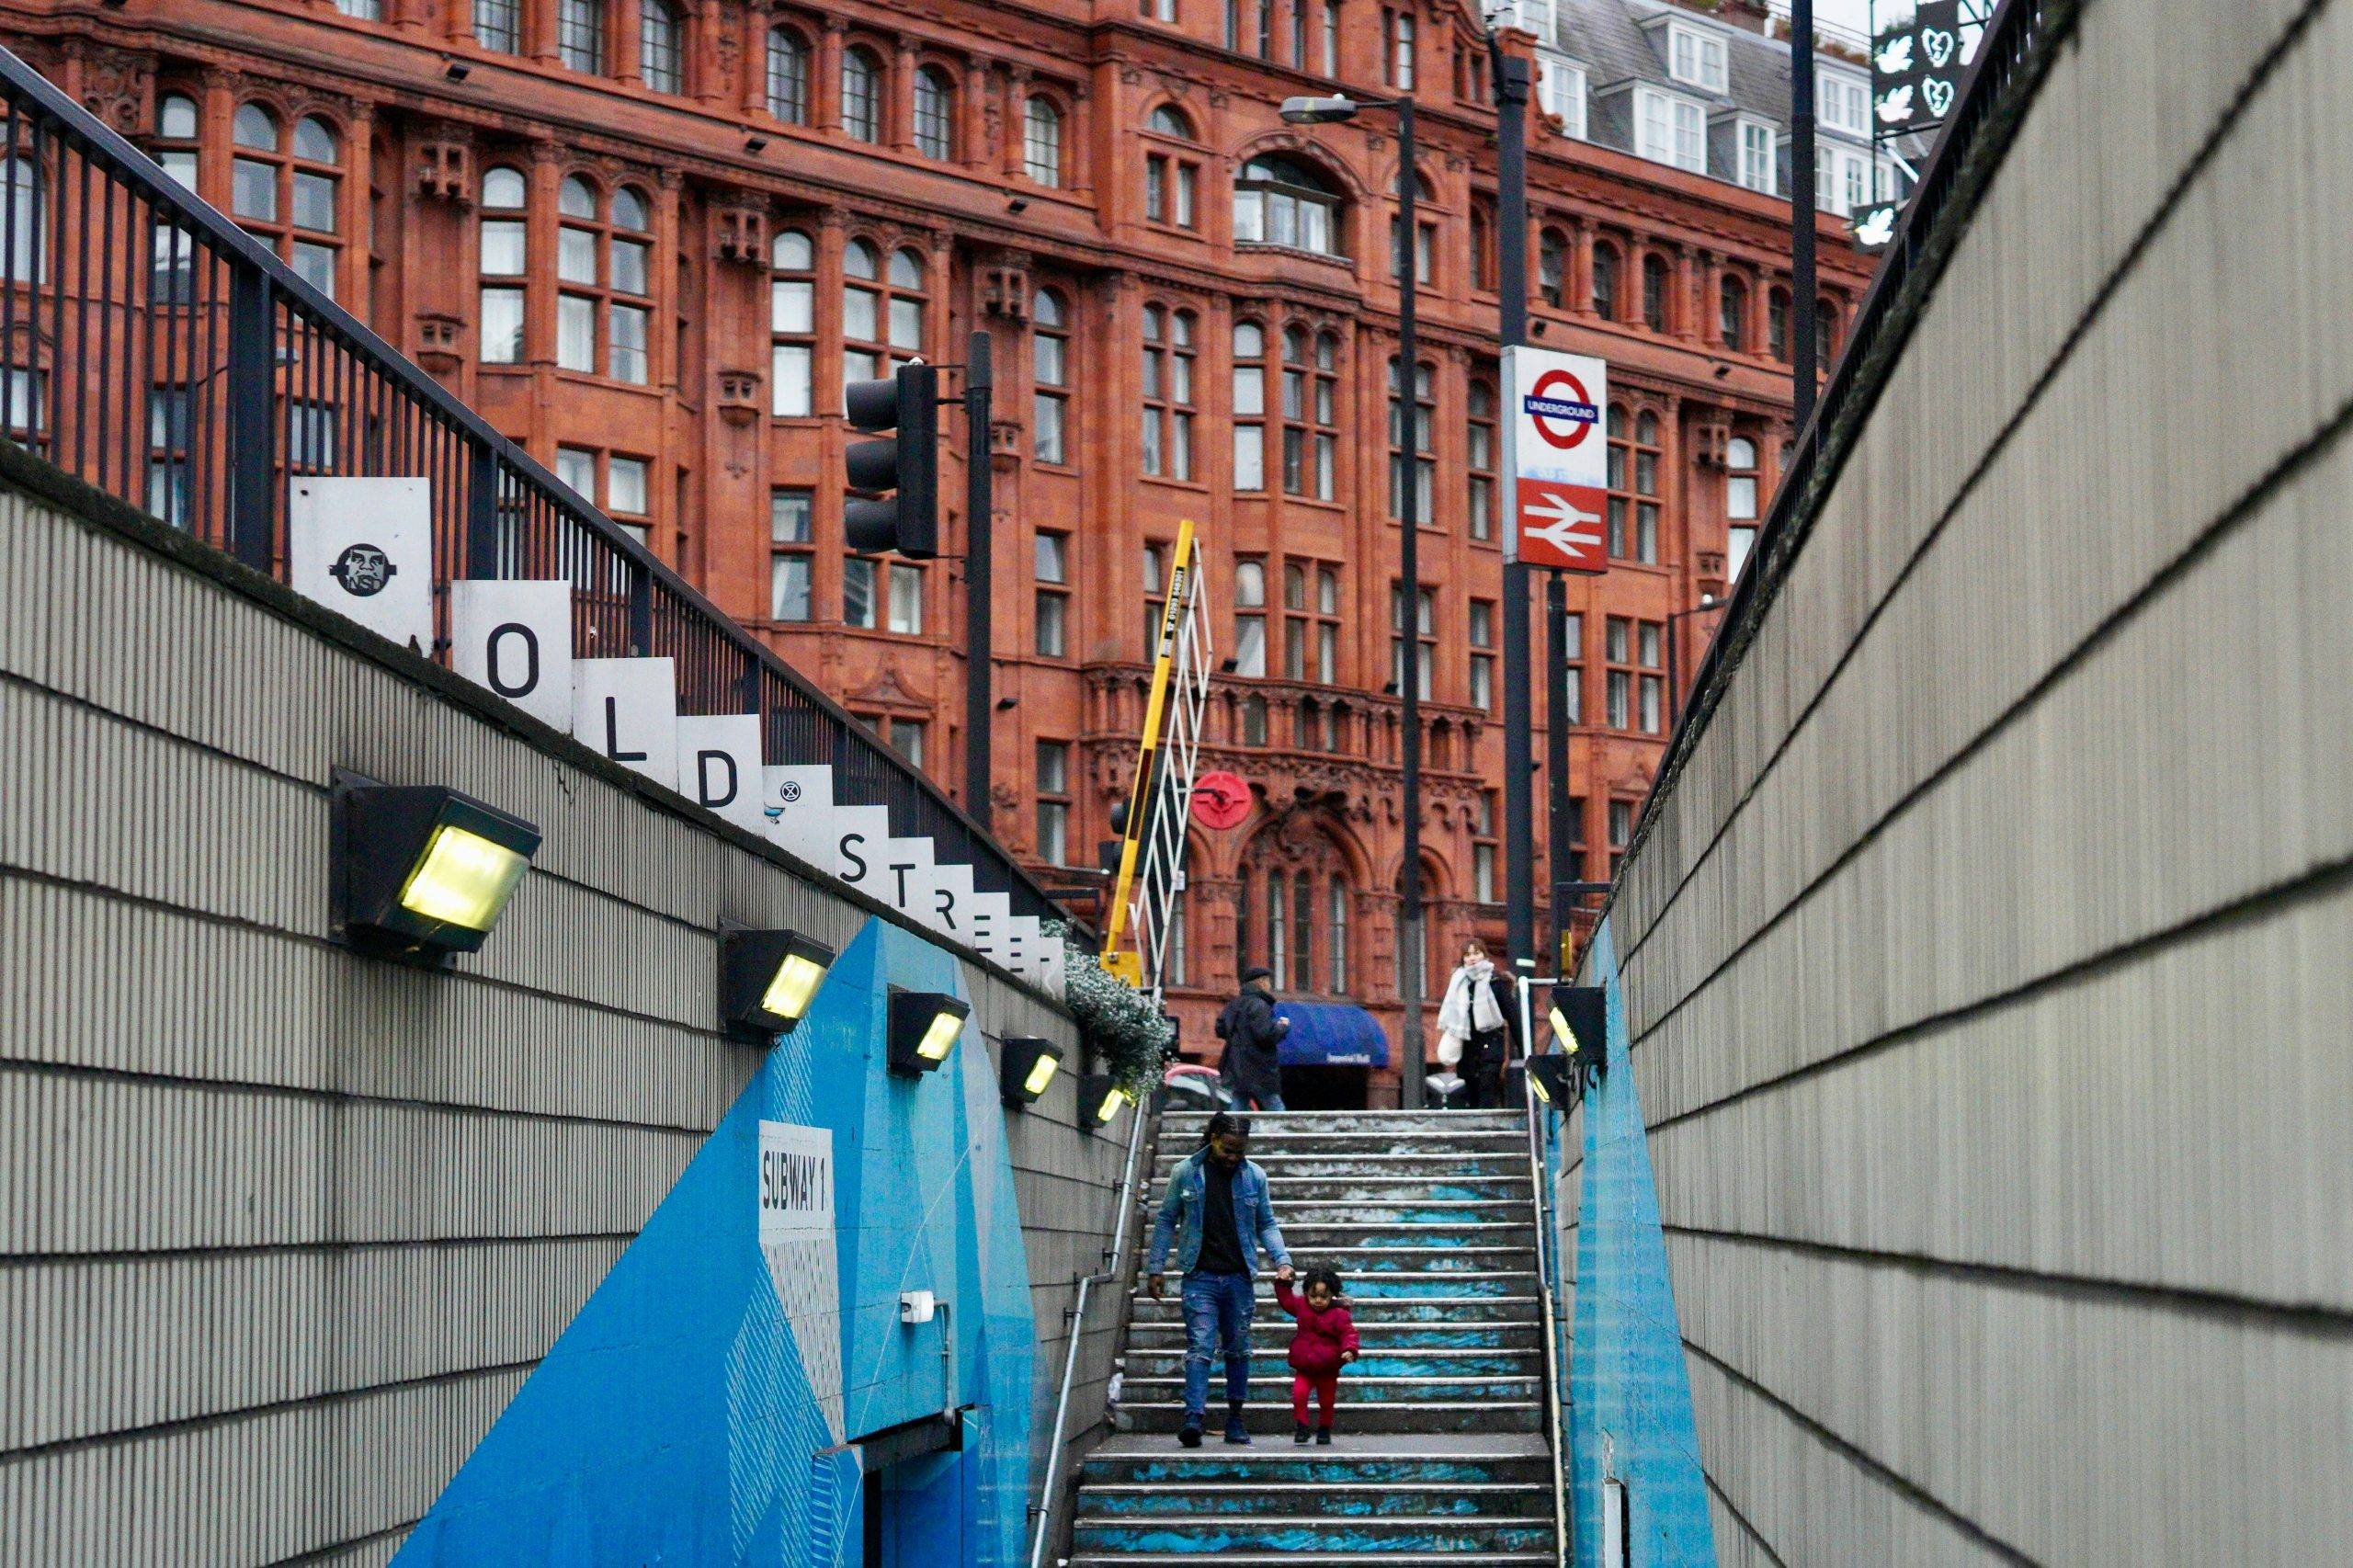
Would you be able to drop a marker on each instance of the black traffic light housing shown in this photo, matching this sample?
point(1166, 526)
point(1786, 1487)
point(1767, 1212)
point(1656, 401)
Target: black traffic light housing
point(900, 472)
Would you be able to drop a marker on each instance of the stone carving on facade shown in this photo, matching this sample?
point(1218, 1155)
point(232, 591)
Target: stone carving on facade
point(120, 88)
point(1710, 437)
point(739, 232)
point(444, 168)
point(1004, 286)
point(739, 397)
point(440, 341)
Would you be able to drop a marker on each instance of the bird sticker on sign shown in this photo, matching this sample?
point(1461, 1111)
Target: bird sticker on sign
point(1558, 455)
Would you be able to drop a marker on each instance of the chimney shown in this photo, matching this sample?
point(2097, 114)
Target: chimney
point(1749, 15)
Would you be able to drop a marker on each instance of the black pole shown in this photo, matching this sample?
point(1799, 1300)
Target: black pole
point(1802, 206)
point(1511, 283)
point(1411, 948)
point(1556, 753)
point(980, 521)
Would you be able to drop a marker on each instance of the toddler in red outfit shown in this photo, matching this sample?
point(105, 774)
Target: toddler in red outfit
point(1326, 1342)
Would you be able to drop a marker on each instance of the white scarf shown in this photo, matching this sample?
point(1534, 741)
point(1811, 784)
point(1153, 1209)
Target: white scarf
point(1469, 1008)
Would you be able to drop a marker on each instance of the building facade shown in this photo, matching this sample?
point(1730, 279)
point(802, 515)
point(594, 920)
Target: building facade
point(651, 240)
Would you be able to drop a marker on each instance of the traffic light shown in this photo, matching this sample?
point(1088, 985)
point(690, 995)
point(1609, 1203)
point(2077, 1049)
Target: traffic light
point(906, 462)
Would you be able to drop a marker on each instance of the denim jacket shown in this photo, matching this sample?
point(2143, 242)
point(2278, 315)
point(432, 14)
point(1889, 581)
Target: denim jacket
point(1180, 1216)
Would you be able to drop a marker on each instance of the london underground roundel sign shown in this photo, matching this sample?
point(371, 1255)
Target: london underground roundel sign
point(1559, 469)
point(1559, 410)
point(1221, 799)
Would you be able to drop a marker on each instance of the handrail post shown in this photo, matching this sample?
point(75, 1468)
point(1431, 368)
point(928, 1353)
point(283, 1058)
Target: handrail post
point(482, 511)
point(1546, 1263)
point(252, 400)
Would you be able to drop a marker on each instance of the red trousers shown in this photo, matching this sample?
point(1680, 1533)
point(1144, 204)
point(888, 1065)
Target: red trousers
point(1327, 1389)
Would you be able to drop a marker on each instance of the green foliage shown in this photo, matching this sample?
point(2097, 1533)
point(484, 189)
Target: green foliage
point(1117, 1023)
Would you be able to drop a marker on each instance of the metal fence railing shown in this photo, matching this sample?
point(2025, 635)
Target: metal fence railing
point(2017, 48)
point(151, 347)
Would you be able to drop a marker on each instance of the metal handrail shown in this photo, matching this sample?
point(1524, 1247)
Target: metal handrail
point(2011, 58)
point(1556, 1434)
point(155, 349)
point(1048, 1502)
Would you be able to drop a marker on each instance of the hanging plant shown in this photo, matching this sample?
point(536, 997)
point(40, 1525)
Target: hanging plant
point(1128, 1035)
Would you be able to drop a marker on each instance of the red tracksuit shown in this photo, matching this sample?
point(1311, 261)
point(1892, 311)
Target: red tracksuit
point(1316, 1350)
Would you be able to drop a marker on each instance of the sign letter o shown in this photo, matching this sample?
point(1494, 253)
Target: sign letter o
point(531, 680)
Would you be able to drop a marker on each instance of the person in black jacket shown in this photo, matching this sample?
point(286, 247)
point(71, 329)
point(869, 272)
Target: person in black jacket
point(1480, 1011)
point(1252, 1074)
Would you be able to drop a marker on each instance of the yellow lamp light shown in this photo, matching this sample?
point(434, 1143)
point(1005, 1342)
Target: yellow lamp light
point(924, 1028)
point(1026, 1067)
point(420, 871)
point(464, 879)
point(768, 980)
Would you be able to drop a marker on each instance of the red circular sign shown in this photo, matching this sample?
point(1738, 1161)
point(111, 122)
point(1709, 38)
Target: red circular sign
point(1221, 799)
point(1544, 384)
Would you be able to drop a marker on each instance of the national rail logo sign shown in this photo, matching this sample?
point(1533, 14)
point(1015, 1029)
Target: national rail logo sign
point(1558, 460)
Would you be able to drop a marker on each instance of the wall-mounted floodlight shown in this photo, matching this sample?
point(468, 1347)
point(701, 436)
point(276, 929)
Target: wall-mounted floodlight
point(1025, 1067)
point(925, 1026)
point(1319, 111)
point(420, 871)
point(767, 980)
point(1100, 1100)
point(1580, 1018)
point(1551, 1079)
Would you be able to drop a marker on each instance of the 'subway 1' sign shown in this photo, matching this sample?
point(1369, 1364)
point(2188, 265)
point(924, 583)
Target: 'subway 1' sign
point(1556, 450)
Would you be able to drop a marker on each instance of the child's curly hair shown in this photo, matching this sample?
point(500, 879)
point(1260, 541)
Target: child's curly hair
point(1319, 1275)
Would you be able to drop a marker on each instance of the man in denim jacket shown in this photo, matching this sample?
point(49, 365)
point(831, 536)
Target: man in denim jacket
point(1218, 1214)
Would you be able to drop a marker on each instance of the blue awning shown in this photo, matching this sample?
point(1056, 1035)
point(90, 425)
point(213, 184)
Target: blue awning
point(1332, 1034)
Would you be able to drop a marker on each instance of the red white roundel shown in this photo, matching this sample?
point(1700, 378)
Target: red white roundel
point(1221, 799)
point(1548, 426)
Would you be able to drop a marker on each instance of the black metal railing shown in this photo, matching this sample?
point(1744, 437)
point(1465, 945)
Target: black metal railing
point(2016, 49)
point(152, 348)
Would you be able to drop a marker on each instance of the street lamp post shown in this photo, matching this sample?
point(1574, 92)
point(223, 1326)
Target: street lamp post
point(1674, 694)
point(1411, 948)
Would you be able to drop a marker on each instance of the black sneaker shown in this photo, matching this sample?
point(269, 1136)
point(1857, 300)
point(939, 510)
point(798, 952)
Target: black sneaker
point(1190, 1433)
point(1302, 1435)
point(1234, 1431)
point(1323, 1437)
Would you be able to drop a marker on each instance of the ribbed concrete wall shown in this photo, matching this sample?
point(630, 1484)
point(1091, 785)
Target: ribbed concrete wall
point(1988, 962)
point(281, 1229)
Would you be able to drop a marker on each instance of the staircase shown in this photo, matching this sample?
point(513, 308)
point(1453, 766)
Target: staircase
point(1438, 1453)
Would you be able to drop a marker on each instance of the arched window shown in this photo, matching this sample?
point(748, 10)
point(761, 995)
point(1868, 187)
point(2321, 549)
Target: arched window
point(862, 94)
point(787, 76)
point(1278, 927)
point(604, 266)
point(1422, 473)
point(1249, 406)
point(882, 317)
point(1633, 486)
point(793, 324)
point(1732, 305)
point(1605, 281)
point(1482, 491)
point(1167, 393)
point(1168, 120)
point(1041, 140)
point(1049, 377)
point(658, 54)
point(1312, 633)
point(1424, 239)
point(505, 261)
point(1250, 618)
point(580, 34)
point(173, 273)
point(1825, 333)
point(1553, 266)
point(1171, 178)
point(1310, 396)
point(1483, 248)
point(1280, 200)
point(934, 113)
point(1655, 290)
point(288, 190)
point(1777, 324)
point(1254, 721)
point(1335, 931)
point(1740, 504)
point(498, 24)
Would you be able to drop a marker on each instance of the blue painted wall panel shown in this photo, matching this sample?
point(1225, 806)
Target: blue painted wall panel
point(678, 1419)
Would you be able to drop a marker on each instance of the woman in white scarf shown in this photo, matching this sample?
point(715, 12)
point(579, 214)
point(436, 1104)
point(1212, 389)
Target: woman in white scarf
point(1475, 1022)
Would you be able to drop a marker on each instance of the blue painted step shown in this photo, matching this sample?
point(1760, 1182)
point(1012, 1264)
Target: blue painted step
point(1315, 1536)
point(1363, 1499)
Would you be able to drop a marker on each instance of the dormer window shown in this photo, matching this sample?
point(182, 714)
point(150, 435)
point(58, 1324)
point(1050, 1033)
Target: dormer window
point(1670, 130)
point(1695, 57)
point(1759, 155)
point(1845, 104)
point(1560, 91)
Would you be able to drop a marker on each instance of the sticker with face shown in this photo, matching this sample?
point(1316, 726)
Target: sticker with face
point(363, 569)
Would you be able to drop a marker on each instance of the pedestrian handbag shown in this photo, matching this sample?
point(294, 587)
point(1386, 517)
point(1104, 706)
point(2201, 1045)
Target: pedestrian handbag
point(1449, 1049)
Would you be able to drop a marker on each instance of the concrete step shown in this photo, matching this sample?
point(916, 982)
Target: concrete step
point(1366, 1141)
point(1149, 1334)
point(1416, 1167)
point(1374, 1362)
point(1544, 1559)
point(1270, 1379)
point(1484, 1535)
point(1365, 1286)
point(1436, 1310)
point(1404, 1208)
point(1355, 1262)
point(1275, 1123)
point(1408, 1459)
point(1393, 1189)
point(1353, 1233)
point(1265, 1418)
point(1320, 1497)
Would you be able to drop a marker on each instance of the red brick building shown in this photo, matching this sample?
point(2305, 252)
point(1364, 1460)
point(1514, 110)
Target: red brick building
point(650, 238)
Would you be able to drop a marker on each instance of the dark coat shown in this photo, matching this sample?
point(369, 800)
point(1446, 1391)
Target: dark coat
point(1323, 1336)
point(1251, 1032)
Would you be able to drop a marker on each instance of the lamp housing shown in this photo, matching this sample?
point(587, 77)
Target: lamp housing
point(1319, 111)
point(1026, 1067)
point(1552, 1078)
point(420, 873)
point(1580, 1018)
point(767, 980)
point(924, 1028)
point(1100, 1100)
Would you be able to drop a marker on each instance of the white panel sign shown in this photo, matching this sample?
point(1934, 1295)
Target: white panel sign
point(1049, 968)
point(904, 875)
point(857, 834)
point(719, 766)
point(516, 639)
point(628, 709)
point(951, 903)
point(1020, 934)
point(796, 800)
point(990, 912)
point(794, 1192)
point(365, 547)
point(1556, 459)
